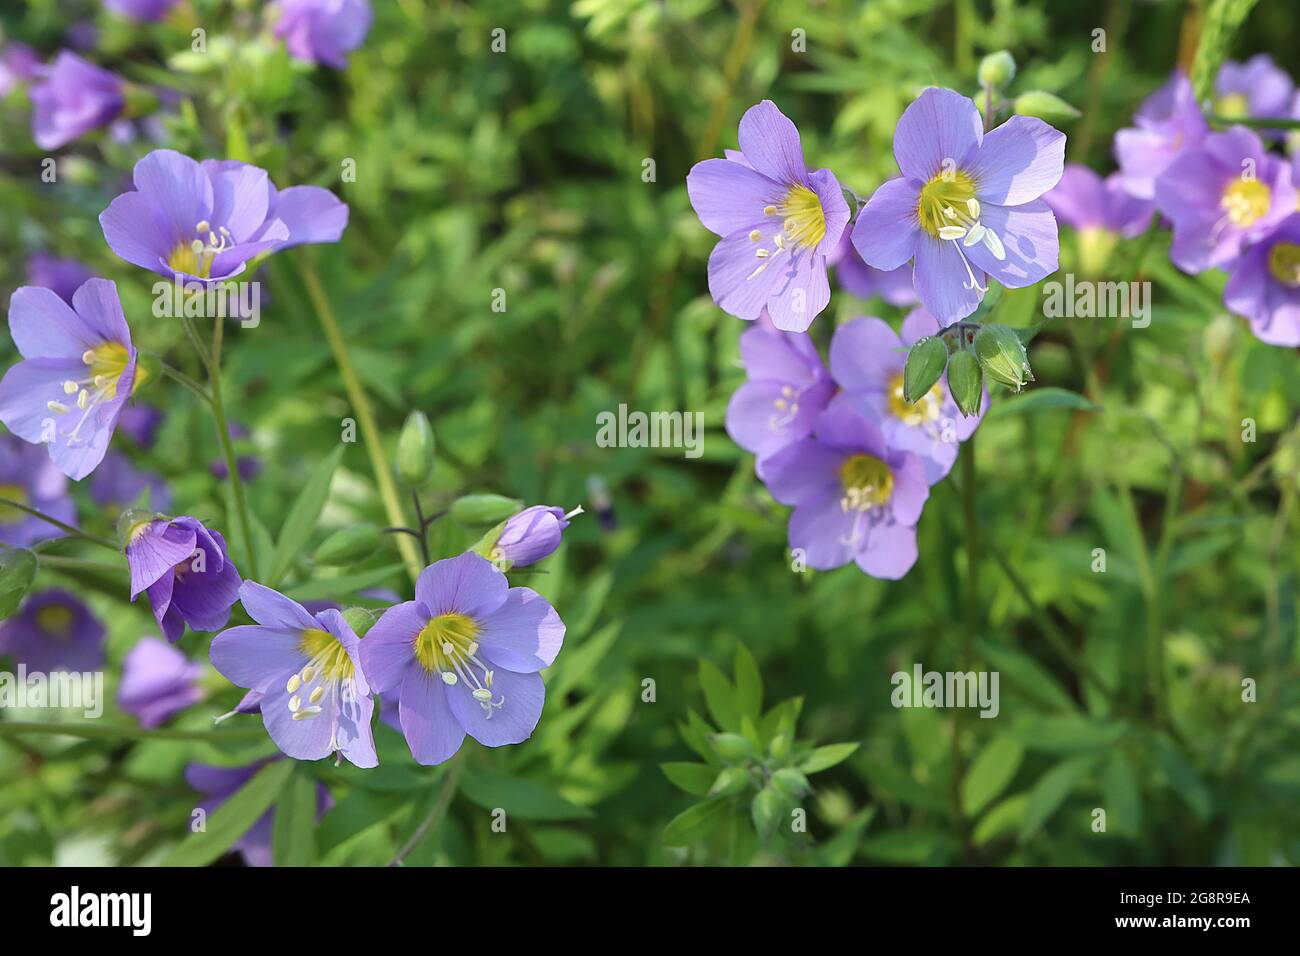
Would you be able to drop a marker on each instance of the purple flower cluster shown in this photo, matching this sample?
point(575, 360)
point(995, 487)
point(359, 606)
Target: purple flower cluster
point(1230, 201)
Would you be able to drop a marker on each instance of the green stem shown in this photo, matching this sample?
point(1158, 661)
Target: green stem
point(228, 447)
point(97, 730)
point(181, 378)
point(75, 532)
point(365, 416)
point(449, 781)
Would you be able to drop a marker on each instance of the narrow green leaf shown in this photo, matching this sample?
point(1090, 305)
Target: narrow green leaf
point(719, 696)
point(694, 778)
point(694, 823)
point(749, 684)
point(823, 758)
point(233, 818)
point(292, 838)
point(1050, 792)
point(17, 571)
point(1044, 399)
point(992, 770)
point(303, 516)
point(1123, 800)
point(519, 797)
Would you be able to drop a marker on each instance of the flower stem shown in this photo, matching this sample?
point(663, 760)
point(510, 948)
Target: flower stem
point(451, 776)
point(92, 729)
point(182, 379)
point(361, 403)
point(70, 529)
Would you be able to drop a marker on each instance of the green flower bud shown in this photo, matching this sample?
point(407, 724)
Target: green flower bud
point(765, 811)
point(349, 544)
point(732, 746)
point(997, 69)
point(1046, 106)
point(484, 509)
point(925, 363)
point(360, 619)
point(731, 780)
point(779, 748)
point(1002, 356)
point(965, 381)
point(17, 571)
point(791, 781)
point(415, 448)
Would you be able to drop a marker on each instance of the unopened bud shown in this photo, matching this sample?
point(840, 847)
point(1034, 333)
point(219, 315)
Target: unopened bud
point(1046, 106)
point(415, 450)
point(925, 363)
point(1002, 356)
point(997, 69)
point(965, 381)
point(484, 509)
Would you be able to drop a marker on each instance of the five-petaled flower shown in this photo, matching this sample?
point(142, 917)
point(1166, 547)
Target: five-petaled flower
point(1265, 285)
point(967, 203)
point(463, 658)
point(185, 569)
point(1167, 122)
point(321, 31)
point(78, 369)
point(778, 223)
point(314, 697)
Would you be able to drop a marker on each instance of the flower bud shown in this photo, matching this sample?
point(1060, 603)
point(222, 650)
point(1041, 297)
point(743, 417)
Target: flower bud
point(965, 381)
point(529, 536)
point(1002, 356)
point(349, 544)
point(1046, 106)
point(765, 811)
point(925, 363)
point(484, 509)
point(732, 746)
point(360, 619)
point(730, 780)
point(791, 781)
point(415, 448)
point(997, 69)
point(17, 571)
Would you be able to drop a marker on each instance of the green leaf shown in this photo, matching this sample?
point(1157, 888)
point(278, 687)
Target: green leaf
point(343, 585)
point(1002, 819)
point(694, 823)
point(1221, 21)
point(719, 696)
point(1050, 792)
point(1123, 800)
point(749, 684)
point(1183, 779)
point(17, 571)
point(303, 517)
point(519, 797)
point(1027, 675)
point(694, 778)
point(908, 846)
point(989, 775)
point(823, 758)
point(1044, 399)
point(293, 835)
point(233, 818)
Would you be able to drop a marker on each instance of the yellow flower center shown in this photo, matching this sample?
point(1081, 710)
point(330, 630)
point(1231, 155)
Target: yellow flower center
point(327, 654)
point(1245, 201)
point(445, 638)
point(55, 620)
point(867, 482)
point(944, 199)
point(1284, 263)
point(924, 409)
point(10, 515)
point(805, 222)
point(1232, 106)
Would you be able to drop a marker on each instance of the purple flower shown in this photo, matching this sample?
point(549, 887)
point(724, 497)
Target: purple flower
point(867, 360)
point(1221, 195)
point(118, 485)
point(72, 97)
point(967, 204)
point(1265, 285)
point(778, 223)
point(529, 536)
point(1167, 122)
point(315, 699)
point(146, 10)
point(28, 477)
point(157, 682)
point(855, 498)
point(1085, 201)
point(1257, 88)
point(219, 784)
point(463, 658)
point(322, 31)
point(786, 389)
point(141, 422)
point(860, 279)
point(206, 220)
point(79, 369)
point(186, 570)
point(63, 276)
point(18, 64)
point(54, 632)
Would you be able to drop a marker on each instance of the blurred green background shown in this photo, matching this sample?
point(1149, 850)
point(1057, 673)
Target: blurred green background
point(523, 171)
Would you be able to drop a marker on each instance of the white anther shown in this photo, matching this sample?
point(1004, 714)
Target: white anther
point(88, 357)
point(70, 387)
point(316, 695)
point(57, 407)
point(951, 232)
point(449, 678)
point(83, 399)
point(755, 235)
point(483, 695)
point(976, 233)
point(973, 205)
point(294, 683)
point(294, 703)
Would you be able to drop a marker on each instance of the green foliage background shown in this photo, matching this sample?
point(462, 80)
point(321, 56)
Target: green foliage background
point(523, 171)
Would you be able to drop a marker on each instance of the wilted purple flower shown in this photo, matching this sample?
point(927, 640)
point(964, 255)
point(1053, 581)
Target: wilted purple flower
point(867, 359)
point(206, 220)
point(28, 477)
point(1167, 122)
point(1257, 88)
point(1085, 201)
point(146, 10)
point(864, 281)
point(322, 31)
point(157, 682)
point(855, 498)
point(1222, 194)
point(315, 699)
point(778, 223)
point(72, 97)
point(219, 784)
point(18, 64)
point(463, 658)
point(78, 371)
point(531, 535)
point(1265, 285)
point(118, 485)
point(186, 570)
point(63, 276)
point(141, 422)
point(967, 204)
point(54, 632)
point(786, 389)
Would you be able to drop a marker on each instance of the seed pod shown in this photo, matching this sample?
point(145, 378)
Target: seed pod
point(1002, 356)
